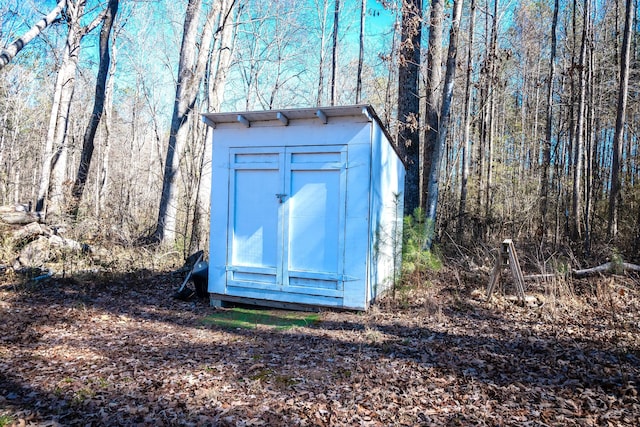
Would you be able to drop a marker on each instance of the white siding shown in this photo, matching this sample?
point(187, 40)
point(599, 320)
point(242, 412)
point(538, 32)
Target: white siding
point(297, 210)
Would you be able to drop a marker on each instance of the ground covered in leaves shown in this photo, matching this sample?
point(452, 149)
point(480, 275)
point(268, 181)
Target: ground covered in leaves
point(119, 350)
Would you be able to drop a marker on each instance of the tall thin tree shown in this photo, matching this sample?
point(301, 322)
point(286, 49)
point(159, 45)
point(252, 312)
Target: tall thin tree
point(363, 12)
point(334, 51)
point(578, 149)
point(194, 52)
point(443, 124)
point(546, 152)
point(466, 144)
point(623, 90)
point(409, 100)
point(54, 161)
point(433, 90)
point(98, 107)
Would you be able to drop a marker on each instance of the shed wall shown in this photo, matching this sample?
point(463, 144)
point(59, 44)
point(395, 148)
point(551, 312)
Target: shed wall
point(372, 213)
point(355, 136)
point(387, 205)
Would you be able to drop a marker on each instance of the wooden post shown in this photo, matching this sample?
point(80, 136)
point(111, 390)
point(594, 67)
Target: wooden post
point(507, 257)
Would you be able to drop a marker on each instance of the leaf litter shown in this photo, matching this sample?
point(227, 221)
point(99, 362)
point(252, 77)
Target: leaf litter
point(122, 352)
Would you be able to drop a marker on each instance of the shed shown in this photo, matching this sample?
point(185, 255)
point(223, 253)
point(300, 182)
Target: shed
point(306, 207)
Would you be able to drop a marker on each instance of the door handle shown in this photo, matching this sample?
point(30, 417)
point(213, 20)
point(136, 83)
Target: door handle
point(281, 197)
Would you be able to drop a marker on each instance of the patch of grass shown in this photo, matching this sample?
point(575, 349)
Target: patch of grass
point(6, 420)
point(262, 374)
point(250, 318)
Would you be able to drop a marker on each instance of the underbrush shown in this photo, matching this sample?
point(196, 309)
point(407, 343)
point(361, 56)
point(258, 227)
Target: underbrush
point(453, 277)
point(39, 252)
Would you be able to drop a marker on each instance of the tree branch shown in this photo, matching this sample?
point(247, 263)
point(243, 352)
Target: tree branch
point(12, 50)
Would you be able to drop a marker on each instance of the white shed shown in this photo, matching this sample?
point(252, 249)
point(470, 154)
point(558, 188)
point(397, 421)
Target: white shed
point(306, 207)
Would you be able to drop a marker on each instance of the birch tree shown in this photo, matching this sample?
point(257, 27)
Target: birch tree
point(194, 52)
point(54, 162)
point(7, 54)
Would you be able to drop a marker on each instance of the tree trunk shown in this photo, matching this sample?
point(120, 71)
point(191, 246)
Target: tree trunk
point(578, 153)
point(616, 184)
point(363, 12)
point(447, 96)
point(409, 100)
point(466, 144)
point(323, 39)
point(54, 159)
point(546, 153)
point(51, 193)
point(433, 91)
point(190, 72)
point(220, 62)
point(334, 51)
point(103, 177)
point(6, 55)
point(590, 147)
point(488, 122)
point(98, 108)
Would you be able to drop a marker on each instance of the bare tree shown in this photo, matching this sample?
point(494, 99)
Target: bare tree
point(578, 153)
point(334, 51)
point(6, 55)
point(466, 144)
point(98, 108)
point(409, 100)
point(433, 90)
point(215, 81)
point(194, 53)
point(363, 12)
point(323, 37)
point(546, 152)
point(55, 153)
point(616, 185)
point(443, 125)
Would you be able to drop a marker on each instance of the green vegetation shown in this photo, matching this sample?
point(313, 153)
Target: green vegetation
point(251, 318)
point(414, 258)
point(6, 420)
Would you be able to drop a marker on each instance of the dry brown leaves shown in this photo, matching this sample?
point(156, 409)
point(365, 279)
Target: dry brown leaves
point(122, 352)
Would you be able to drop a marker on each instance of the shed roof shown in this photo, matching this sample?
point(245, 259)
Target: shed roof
point(324, 114)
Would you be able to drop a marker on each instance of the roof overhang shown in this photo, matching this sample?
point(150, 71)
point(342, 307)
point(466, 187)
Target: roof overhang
point(285, 116)
point(323, 114)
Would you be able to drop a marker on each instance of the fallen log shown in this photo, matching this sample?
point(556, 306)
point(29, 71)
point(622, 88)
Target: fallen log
point(18, 218)
point(19, 214)
point(608, 267)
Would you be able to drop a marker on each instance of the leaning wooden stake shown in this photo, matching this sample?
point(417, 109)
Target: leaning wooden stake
point(507, 257)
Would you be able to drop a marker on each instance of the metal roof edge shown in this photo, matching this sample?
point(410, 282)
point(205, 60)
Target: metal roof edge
point(324, 114)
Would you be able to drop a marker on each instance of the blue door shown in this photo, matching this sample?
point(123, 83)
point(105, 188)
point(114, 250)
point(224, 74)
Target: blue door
point(287, 219)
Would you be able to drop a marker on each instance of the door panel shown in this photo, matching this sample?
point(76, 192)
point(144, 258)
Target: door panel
point(314, 221)
point(255, 231)
point(286, 213)
point(254, 214)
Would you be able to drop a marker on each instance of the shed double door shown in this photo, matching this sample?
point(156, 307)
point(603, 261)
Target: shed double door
point(287, 219)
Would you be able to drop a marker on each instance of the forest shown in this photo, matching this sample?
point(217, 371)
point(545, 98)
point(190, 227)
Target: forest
point(515, 120)
point(542, 108)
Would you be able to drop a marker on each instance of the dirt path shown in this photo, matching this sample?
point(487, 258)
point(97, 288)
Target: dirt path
point(121, 352)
